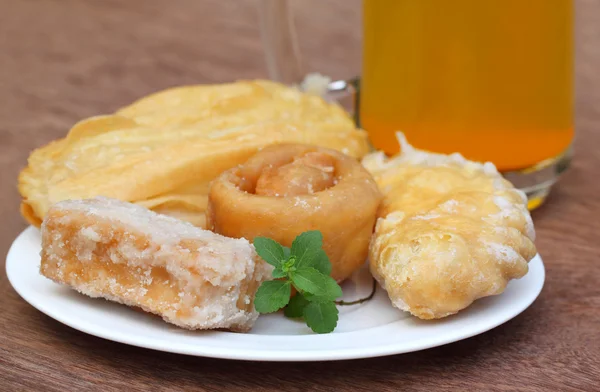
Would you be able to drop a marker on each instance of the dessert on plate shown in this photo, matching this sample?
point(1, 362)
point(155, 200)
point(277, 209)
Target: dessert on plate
point(449, 231)
point(287, 189)
point(192, 278)
point(123, 199)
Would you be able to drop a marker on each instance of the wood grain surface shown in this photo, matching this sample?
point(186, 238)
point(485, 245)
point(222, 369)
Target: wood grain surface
point(68, 59)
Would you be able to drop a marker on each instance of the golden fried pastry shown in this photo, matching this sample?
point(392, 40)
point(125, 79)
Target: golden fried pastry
point(287, 189)
point(125, 253)
point(450, 231)
point(162, 151)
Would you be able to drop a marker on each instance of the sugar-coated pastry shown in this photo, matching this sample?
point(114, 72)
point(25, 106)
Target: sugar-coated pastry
point(287, 189)
point(125, 253)
point(450, 231)
point(162, 151)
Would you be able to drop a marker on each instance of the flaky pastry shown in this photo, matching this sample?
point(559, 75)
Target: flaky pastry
point(125, 253)
point(162, 151)
point(287, 189)
point(450, 231)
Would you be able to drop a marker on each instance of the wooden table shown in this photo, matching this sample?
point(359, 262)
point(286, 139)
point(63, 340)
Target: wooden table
point(65, 60)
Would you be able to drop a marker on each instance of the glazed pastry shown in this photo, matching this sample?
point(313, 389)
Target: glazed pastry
point(287, 189)
point(162, 151)
point(449, 231)
point(190, 277)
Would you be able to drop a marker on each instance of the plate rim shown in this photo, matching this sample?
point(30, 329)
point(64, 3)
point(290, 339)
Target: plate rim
point(418, 344)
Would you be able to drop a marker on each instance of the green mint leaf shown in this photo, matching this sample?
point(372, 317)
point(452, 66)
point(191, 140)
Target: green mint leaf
point(313, 282)
point(311, 298)
point(270, 251)
point(305, 247)
point(296, 306)
point(286, 253)
point(332, 291)
point(272, 295)
point(321, 317)
point(309, 280)
point(320, 262)
point(278, 273)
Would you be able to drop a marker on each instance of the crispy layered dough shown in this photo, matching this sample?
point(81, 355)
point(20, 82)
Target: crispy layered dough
point(162, 151)
point(287, 189)
point(125, 253)
point(450, 231)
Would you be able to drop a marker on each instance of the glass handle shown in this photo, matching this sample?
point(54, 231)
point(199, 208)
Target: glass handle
point(283, 57)
point(279, 39)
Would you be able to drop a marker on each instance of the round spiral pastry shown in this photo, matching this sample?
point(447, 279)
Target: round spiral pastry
point(287, 189)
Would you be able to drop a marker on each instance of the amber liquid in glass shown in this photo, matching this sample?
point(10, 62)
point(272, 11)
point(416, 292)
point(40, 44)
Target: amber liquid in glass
point(491, 79)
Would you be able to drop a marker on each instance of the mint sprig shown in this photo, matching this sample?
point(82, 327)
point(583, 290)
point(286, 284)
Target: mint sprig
point(320, 316)
point(295, 308)
point(270, 251)
point(306, 267)
point(271, 296)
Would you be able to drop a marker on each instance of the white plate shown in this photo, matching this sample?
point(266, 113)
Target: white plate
point(370, 329)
